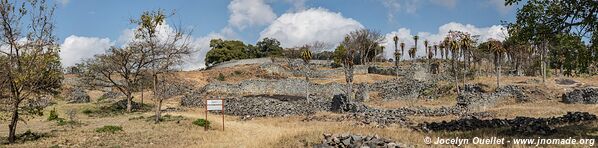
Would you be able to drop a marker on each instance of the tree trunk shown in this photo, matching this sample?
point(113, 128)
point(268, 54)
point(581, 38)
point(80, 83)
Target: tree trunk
point(455, 73)
point(349, 80)
point(129, 102)
point(307, 81)
point(543, 65)
point(12, 127)
point(497, 63)
point(158, 111)
point(141, 96)
point(156, 97)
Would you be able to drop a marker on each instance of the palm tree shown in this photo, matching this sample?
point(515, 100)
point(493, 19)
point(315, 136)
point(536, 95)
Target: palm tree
point(496, 48)
point(397, 54)
point(415, 38)
point(306, 57)
point(412, 52)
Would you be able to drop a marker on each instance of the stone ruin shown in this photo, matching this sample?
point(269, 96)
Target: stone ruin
point(475, 97)
point(77, 95)
point(400, 89)
point(581, 96)
point(349, 140)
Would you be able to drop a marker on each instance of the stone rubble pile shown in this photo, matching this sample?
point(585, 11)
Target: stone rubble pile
point(77, 95)
point(357, 141)
point(582, 96)
point(519, 125)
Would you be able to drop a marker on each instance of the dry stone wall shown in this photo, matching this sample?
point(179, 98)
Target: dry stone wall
point(582, 96)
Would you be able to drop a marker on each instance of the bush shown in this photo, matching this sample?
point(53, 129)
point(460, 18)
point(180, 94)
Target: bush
point(202, 123)
point(87, 111)
point(109, 129)
point(220, 77)
point(53, 115)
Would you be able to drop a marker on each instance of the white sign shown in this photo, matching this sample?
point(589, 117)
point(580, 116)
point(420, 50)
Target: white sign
point(214, 102)
point(215, 107)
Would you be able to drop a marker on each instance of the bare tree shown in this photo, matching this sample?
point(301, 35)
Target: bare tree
point(29, 58)
point(120, 68)
point(166, 48)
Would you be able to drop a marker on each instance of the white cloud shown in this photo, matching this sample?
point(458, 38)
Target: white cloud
point(246, 13)
point(75, 48)
point(405, 35)
point(316, 24)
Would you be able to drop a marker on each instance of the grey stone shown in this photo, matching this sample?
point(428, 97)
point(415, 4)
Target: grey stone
point(581, 96)
point(77, 95)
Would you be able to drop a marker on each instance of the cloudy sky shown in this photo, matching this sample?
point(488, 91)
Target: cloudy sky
point(89, 27)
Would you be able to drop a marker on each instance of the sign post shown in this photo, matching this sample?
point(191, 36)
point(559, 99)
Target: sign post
point(215, 104)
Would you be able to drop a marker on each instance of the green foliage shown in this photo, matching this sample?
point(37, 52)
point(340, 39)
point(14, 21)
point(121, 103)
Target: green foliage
point(225, 51)
point(268, 47)
point(202, 123)
point(220, 77)
point(306, 55)
point(109, 129)
point(87, 111)
point(53, 115)
point(339, 54)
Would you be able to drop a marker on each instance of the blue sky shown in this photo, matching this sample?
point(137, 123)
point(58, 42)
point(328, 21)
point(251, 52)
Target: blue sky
point(85, 27)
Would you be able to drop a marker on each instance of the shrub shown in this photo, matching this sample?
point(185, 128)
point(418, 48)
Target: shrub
point(53, 115)
point(87, 111)
point(202, 123)
point(109, 129)
point(220, 77)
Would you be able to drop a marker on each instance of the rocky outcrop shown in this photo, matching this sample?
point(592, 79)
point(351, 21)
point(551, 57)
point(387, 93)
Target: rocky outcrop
point(77, 95)
point(358, 141)
point(582, 96)
point(518, 125)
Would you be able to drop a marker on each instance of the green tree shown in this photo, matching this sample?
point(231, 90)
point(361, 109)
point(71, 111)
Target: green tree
point(539, 21)
point(225, 51)
point(339, 54)
point(29, 61)
point(268, 47)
